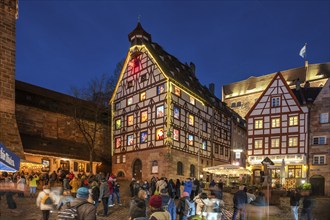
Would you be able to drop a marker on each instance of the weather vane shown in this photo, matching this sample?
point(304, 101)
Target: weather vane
point(139, 18)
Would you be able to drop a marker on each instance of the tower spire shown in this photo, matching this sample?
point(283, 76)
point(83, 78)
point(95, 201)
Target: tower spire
point(139, 34)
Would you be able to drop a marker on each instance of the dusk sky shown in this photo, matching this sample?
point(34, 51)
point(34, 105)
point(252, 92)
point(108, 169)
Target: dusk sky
point(61, 44)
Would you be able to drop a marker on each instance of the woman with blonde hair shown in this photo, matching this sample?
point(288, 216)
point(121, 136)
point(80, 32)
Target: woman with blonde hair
point(138, 206)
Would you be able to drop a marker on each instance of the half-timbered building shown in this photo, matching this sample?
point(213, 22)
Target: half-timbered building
point(165, 123)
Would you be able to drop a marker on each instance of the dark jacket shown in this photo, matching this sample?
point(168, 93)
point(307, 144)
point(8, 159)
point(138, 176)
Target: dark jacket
point(104, 190)
point(294, 198)
point(137, 208)
point(86, 211)
point(239, 199)
point(95, 193)
point(169, 204)
point(181, 206)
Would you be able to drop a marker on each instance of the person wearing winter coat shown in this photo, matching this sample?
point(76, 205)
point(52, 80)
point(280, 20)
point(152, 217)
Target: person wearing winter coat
point(153, 182)
point(86, 211)
point(95, 193)
point(161, 184)
point(201, 201)
point(104, 196)
point(187, 186)
point(21, 184)
point(65, 200)
point(306, 212)
point(131, 187)
point(157, 212)
point(168, 203)
point(138, 207)
point(75, 184)
point(45, 204)
point(111, 181)
point(181, 206)
point(294, 203)
point(240, 201)
point(177, 189)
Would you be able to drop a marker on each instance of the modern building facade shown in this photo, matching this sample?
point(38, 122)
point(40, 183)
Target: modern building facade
point(165, 123)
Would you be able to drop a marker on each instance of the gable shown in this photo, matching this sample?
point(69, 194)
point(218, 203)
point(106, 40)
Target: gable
point(276, 98)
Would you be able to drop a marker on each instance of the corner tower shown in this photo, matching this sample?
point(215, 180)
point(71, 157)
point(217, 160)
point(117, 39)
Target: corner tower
point(9, 134)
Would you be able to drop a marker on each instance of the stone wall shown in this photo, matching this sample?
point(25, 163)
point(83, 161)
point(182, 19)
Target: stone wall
point(247, 101)
point(9, 134)
point(321, 105)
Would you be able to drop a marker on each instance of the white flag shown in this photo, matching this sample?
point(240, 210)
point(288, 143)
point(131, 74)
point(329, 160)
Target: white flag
point(302, 52)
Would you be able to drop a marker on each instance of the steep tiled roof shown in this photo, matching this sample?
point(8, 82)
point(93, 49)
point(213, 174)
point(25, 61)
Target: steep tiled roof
point(306, 95)
point(258, 84)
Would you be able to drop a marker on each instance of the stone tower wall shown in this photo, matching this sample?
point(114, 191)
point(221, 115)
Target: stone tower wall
point(9, 134)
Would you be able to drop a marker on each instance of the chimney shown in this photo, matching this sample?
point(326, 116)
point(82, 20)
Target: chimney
point(212, 88)
point(193, 68)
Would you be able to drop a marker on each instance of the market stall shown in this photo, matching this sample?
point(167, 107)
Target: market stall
point(230, 174)
point(9, 162)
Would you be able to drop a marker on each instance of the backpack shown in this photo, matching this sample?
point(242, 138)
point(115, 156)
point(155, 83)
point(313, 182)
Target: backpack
point(189, 208)
point(46, 200)
point(70, 213)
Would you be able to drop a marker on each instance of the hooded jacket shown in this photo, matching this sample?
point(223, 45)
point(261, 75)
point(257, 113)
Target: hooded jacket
point(41, 195)
point(86, 211)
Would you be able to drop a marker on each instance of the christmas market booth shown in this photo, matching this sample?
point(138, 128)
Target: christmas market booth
point(9, 162)
point(231, 175)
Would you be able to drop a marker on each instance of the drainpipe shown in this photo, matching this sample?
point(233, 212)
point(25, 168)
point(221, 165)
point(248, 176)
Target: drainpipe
point(309, 106)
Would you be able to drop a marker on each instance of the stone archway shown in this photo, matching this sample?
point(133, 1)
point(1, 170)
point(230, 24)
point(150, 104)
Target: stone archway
point(318, 184)
point(137, 169)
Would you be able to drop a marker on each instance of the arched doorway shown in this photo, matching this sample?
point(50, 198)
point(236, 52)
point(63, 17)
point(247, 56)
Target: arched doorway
point(137, 169)
point(317, 182)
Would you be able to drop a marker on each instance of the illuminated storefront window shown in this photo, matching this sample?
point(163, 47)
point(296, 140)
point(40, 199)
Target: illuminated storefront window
point(294, 171)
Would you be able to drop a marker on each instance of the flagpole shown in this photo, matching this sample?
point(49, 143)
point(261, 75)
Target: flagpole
point(306, 61)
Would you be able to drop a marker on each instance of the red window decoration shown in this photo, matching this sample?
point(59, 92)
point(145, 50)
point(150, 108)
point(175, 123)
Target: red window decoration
point(159, 134)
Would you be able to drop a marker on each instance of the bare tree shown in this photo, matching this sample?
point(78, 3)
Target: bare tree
point(91, 113)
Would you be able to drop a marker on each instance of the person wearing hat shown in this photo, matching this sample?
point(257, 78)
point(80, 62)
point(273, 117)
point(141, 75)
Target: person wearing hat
point(85, 210)
point(168, 203)
point(157, 212)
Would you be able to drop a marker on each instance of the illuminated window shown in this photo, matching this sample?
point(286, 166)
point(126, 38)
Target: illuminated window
point(275, 101)
point(319, 159)
point(192, 100)
point(319, 140)
point(160, 89)
point(144, 137)
point(191, 139)
point(130, 119)
point(258, 123)
point(118, 142)
point(275, 122)
point(293, 141)
point(130, 84)
point(191, 119)
point(275, 143)
point(176, 134)
point(118, 123)
point(257, 144)
point(177, 91)
point(176, 113)
point(144, 116)
point(130, 140)
point(276, 173)
point(324, 118)
point(130, 101)
point(160, 111)
point(159, 134)
point(142, 96)
point(294, 171)
point(204, 145)
point(143, 77)
point(293, 120)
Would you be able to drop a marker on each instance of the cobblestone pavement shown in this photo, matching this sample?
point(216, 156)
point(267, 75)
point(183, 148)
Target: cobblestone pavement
point(27, 210)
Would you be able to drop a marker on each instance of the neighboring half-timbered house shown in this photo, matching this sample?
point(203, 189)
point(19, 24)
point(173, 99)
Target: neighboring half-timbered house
point(165, 123)
point(278, 129)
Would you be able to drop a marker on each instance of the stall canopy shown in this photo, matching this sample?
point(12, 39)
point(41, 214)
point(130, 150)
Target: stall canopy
point(9, 161)
point(227, 169)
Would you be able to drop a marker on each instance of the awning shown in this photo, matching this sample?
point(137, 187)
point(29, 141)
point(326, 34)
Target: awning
point(9, 161)
point(227, 169)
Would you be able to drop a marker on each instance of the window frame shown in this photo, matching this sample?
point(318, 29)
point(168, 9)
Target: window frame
point(128, 121)
point(319, 156)
point(178, 139)
point(156, 133)
point(271, 143)
point(132, 138)
point(120, 126)
point(260, 125)
point(163, 111)
point(142, 112)
point(191, 135)
point(292, 142)
point(277, 102)
point(159, 91)
point(319, 138)
point(293, 120)
point(142, 98)
point(326, 116)
point(260, 142)
point(143, 132)
point(191, 119)
point(176, 107)
point(130, 98)
point(277, 122)
point(143, 77)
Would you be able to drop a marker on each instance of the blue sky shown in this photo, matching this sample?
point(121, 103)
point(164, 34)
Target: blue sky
point(60, 44)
